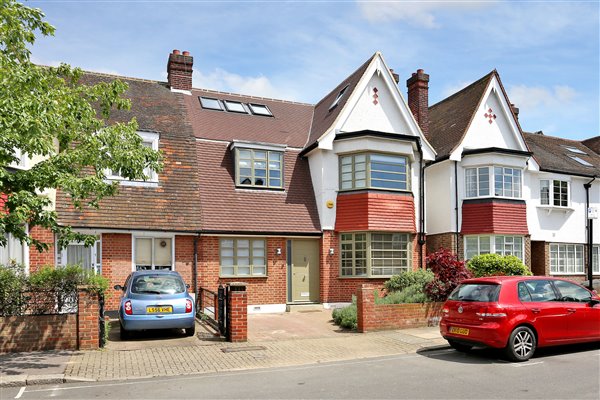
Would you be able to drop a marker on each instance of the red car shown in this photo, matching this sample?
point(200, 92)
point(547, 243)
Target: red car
point(519, 314)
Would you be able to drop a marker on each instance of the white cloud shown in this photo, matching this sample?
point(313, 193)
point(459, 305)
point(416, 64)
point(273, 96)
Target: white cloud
point(419, 13)
point(222, 80)
point(533, 97)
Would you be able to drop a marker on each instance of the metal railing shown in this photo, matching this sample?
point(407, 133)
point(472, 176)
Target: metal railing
point(37, 302)
point(210, 307)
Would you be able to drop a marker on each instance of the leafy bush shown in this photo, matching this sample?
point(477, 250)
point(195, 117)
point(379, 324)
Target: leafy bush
point(12, 280)
point(418, 278)
point(410, 294)
point(448, 271)
point(495, 264)
point(66, 279)
point(346, 316)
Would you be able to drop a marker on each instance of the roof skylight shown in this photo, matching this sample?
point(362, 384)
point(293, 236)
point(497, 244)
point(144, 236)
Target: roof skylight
point(260, 109)
point(575, 150)
point(339, 97)
point(234, 106)
point(581, 161)
point(210, 103)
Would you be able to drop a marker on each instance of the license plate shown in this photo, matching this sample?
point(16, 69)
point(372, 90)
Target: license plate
point(459, 331)
point(159, 310)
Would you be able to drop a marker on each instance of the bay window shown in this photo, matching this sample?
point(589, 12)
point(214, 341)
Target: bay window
point(374, 254)
point(497, 244)
point(373, 170)
point(506, 182)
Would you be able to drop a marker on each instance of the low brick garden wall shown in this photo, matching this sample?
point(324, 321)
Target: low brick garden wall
point(377, 317)
point(53, 332)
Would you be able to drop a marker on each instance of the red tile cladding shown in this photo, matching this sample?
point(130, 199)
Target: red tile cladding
point(375, 211)
point(494, 216)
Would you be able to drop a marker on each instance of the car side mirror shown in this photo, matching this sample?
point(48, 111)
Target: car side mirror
point(187, 286)
point(118, 287)
point(593, 302)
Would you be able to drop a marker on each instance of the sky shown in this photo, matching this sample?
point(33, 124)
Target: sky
point(546, 52)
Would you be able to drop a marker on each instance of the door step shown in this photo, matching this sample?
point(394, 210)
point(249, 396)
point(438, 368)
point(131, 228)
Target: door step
point(304, 307)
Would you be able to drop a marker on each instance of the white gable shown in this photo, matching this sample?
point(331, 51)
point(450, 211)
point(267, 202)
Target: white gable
point(493, 125)
point(376, 104)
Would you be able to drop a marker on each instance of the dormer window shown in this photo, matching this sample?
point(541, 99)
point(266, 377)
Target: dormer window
point(372, 170)
point(149, 139)
point(259, 168)
point(235, 106)
point(501, 181)
point(338, 97)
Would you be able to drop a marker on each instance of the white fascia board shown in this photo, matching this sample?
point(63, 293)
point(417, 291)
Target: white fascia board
point(186, 92)
point(256, 145)
point(99, 231)
point(378, 66)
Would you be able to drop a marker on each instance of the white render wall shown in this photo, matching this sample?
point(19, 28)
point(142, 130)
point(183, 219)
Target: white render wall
point(558, 224)
point(439, 199)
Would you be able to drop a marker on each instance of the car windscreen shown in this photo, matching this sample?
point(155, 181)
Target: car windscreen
point(157, 284)
point(485, 292)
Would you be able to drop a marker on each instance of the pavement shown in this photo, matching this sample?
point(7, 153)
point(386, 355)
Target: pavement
point(275, 340)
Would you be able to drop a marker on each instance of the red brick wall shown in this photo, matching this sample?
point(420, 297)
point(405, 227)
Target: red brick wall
point(184, 258)
point(271, 289)
point(38, 332)
point(36, 259)
point(335, 289)
point(237, 316)
point(375, 211)
point(441, 241)
point(375, 317)
point(88, 333)
point(116, 264)
point(491, 216)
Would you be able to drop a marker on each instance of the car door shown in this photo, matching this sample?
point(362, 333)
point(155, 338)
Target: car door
point(544, 312)
point(583, 320)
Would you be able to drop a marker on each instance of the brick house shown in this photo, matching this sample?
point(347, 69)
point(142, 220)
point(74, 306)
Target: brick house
point(307, 202)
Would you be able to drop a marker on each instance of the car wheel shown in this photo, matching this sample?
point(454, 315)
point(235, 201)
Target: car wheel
point(459, 346)
point(190, 331)
point(521, 344)
point(123, 334)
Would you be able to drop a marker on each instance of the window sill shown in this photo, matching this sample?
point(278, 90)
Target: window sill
point(551, 209)
point(123, 182)
point(567, 273)
point(242, 276)
point(259, 189)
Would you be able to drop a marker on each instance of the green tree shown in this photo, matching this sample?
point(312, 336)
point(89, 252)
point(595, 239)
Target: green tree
point(45, 111)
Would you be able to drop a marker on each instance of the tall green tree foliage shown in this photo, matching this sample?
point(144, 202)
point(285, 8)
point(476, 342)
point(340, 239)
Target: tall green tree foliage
point(46, 112)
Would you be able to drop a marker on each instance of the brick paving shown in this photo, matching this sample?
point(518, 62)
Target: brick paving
point(207, 355)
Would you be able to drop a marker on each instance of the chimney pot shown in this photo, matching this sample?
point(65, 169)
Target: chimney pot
point(395, 76)
point(418, 98)
point(176, 52)
point(186, 53)
point(515, 110)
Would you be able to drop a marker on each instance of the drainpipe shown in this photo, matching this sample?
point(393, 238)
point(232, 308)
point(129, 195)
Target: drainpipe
point(590, 233)
point(456, 234)
point(421, 239)
point(195, 267)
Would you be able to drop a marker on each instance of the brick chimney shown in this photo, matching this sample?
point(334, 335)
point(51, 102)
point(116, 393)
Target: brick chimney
point(179, 70)
point(396, 76)
point(418, 98)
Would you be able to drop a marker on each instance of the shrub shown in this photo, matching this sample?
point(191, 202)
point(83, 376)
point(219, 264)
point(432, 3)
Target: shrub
point(410, 294)
point(12, 280)
point(345, 317)
point(418, 278)
point(495, 264)
point(448, 271)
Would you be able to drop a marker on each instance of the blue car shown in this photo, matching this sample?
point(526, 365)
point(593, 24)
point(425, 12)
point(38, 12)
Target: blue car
point(156, 300)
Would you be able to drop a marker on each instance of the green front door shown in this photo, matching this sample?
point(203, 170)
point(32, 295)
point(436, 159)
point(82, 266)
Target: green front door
point(304, 271)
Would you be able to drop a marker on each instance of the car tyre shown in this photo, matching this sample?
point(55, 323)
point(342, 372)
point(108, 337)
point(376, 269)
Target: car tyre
point(190, 331)
point(463, 348)
point(123, 334)
point(521, 344)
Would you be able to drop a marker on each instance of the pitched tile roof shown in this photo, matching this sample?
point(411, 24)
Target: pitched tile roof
point(450, 119)
point(323, 117)
point(289, 125)
point(552, 155)
point(593, 143)
point(227, 209)
point(173, 205)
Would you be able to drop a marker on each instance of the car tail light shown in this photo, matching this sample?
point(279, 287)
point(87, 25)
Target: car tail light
point(445, 310)
point(491, 312)
point(188, 306)
point(128, 308)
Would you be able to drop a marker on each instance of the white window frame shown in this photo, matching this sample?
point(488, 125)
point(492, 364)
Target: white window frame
point(95, 254)
point(23, 162)
point(154, 237)
point(492, 182)
point(570, 264)
point(551, 185)
point(492, 249)
point(24, 249)
point(147, 137)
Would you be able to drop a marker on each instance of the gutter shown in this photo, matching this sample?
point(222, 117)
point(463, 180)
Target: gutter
point(590, 234)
